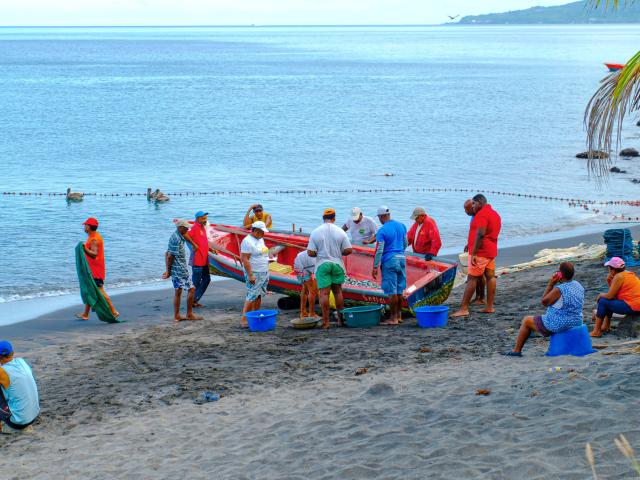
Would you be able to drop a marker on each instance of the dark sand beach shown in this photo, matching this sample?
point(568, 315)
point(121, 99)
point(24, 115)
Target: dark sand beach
point(122, 401)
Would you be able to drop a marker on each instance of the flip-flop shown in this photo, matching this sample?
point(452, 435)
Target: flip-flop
point(511, 353)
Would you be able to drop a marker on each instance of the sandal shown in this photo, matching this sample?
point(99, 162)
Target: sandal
point(511, 353)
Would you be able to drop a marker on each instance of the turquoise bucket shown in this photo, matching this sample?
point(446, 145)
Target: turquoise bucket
point(362, 317)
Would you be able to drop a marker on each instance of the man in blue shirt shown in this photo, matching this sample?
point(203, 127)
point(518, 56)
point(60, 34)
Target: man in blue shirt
point(390, 256)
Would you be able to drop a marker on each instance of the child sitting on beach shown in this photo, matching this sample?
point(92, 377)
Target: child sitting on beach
point(564, 298)
point(304, 266)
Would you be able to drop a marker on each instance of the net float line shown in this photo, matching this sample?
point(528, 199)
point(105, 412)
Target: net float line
point(575, 202)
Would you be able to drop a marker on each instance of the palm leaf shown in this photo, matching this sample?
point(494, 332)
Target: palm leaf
point(618, 95)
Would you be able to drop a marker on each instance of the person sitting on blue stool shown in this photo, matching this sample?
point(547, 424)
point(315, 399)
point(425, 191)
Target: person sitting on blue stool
point(564, 298)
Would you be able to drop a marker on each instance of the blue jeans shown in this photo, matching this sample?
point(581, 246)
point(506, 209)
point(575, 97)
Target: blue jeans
point(607, 307)
point(201, 280)
point(394, 275)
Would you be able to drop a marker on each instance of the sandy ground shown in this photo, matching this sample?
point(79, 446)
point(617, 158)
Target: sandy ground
point(122, 401)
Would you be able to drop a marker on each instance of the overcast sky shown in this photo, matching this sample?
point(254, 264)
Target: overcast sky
point(243, 12)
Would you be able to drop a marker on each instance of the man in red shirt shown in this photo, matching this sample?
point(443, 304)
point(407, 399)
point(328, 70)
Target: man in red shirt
point(200, 256)
point(424, 236)
point(94, 252)
point(483, 250)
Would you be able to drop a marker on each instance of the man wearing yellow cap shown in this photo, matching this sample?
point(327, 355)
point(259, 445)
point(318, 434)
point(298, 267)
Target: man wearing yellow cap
point(328, 244)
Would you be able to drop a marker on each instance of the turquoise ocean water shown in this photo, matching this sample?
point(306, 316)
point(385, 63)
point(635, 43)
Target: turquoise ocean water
point(116, 110)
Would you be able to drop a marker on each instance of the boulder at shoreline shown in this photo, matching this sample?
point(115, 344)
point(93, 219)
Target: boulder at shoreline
point(616, 170)
point(629, 152)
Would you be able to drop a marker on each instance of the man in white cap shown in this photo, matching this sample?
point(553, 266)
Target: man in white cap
point(390, 257)
point(178, 269)
point(254, 255)
point(19, 403)
point(363, 229)
point(423, 235)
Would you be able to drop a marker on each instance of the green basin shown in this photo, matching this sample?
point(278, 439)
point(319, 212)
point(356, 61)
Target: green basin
point(362, 317)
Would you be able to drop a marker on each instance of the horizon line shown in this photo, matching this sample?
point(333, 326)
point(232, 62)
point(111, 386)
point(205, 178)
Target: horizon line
point(243, 25)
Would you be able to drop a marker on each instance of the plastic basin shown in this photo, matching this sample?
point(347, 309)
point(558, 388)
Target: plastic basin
point(432, 316)
point(262, 320)
point(362, 317)
point(575, 341)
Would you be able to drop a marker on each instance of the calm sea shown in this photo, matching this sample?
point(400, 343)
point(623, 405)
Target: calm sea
point(117, 110)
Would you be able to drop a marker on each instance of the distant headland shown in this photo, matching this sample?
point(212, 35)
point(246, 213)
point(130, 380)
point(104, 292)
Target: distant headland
point(582, 12)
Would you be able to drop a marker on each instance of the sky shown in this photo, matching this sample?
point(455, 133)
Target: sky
point(246, 12)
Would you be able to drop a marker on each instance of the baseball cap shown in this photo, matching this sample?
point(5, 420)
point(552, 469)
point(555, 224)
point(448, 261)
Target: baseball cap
point(328, 211)
point(92, 222)
point(417, 211)
point(355, 213)
point(260, 225)
point(615, 262)
point(182, 223)
point(383, 210)
point(5, 348)
point(201, 214)
point(258, 208)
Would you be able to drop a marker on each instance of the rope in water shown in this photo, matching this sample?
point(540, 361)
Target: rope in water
point(571, 201)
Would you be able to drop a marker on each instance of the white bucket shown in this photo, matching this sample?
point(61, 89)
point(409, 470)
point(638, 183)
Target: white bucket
point(464, 262)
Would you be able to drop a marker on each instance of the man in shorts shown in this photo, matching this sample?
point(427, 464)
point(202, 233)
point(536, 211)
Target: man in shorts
point(94, 253)
point(328, 244)
point(178, 270)
point(483, 250)
point(390, 256)
point(254, 255)
point(304, 266)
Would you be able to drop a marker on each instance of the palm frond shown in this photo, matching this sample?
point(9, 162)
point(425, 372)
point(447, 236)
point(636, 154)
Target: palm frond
point(618, 95)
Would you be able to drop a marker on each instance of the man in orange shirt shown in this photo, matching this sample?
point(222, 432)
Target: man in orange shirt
point(94, 251)
point(483, 250)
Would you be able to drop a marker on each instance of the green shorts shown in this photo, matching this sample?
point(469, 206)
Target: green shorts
point(328, 274)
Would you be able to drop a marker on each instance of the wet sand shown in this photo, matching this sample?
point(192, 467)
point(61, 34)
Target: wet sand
point(123, 401)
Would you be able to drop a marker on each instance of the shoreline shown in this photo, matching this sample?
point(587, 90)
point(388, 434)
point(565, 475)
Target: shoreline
point(37, 310)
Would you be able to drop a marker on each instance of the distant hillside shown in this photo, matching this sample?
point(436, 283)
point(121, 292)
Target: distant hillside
point(576, 12)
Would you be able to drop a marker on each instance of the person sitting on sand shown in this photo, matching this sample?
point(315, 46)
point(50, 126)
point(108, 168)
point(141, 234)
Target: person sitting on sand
point(304, 266)
point(328, 244)
point(178, 270)
point(483, 250)
point(564, 298)
point(623, 296)
point(363, 229)
point(94, 252)
point(480, 285)
point(259, 215)
point(423, 235)
point(254, 255)
point(390, 255)
point(19, 403)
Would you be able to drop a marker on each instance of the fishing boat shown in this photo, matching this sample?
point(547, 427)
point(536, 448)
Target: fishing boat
point(428, 282)
point(614, 67)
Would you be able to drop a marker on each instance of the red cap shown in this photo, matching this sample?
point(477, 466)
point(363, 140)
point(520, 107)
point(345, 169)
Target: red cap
point(92, 222)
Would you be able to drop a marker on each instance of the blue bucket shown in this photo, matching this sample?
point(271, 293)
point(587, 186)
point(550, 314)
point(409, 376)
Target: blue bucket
point(432, 317)
point(575, 341)
point(262, 320)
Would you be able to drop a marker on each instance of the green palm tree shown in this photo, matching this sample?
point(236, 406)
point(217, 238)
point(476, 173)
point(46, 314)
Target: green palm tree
point(618, 95)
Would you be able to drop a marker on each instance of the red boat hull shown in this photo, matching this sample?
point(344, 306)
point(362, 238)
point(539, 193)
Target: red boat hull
point(614, 67)
point(428, 282)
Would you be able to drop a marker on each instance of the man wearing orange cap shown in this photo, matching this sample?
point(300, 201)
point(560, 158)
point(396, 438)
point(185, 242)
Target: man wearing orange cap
point(328, 244)
point(94, 252)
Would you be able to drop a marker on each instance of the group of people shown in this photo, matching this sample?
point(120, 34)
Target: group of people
point(320, 268)
point(564, 299)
